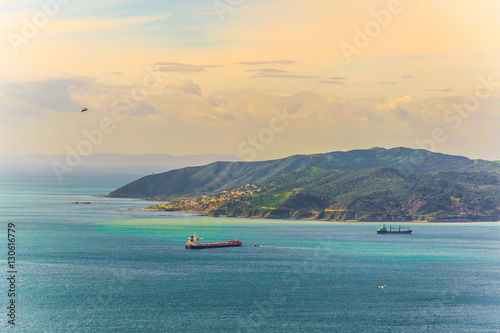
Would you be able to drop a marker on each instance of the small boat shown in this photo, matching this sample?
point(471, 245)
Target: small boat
point(194, 243)
point(383, 230)
point(256, 245)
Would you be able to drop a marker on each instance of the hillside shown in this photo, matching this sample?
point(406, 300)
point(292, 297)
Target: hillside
point(376, 194)
point(214, 177)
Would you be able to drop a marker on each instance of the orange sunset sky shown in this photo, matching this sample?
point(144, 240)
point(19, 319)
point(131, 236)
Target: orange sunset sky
point(211, 76)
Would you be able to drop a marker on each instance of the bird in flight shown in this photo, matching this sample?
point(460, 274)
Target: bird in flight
point(84, 109)
point(382, 287)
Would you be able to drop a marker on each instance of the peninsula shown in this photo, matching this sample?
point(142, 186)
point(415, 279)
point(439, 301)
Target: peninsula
point(398, 184)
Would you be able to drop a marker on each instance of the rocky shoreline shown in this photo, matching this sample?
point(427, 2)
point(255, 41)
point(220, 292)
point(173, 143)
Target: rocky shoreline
point(288, 214)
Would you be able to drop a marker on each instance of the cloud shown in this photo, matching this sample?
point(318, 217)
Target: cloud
point(408, 76)
point(185, 86)
point(17, 109)
point(363, 122)
point(337, 78)
point(181, 119)
point(227, 116)
point(331, 82)
point(180, 68)
point(273, 62)
point(441, 90)
point(277, 73)
point(64, 95)
point(29, 98)
point(403, 114)
point(284, 76)
point(144, 109)
point(267, 70)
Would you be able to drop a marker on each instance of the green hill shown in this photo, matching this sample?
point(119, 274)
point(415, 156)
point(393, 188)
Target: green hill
point(376, 194)
point(195, 181)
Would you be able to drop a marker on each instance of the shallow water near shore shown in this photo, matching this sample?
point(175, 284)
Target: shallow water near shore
point(111, 267)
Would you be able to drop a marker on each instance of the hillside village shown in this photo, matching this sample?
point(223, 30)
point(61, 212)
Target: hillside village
point(204, 202)
point(378, 194)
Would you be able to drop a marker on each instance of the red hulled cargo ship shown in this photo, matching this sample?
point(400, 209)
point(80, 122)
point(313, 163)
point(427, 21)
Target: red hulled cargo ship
point(194, 243)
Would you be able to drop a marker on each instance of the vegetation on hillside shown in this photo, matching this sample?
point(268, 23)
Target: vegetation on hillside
point(375, 194)
point(218, 176)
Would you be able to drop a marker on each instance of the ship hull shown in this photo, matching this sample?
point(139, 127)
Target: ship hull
point(395, 232)
point(212, 245)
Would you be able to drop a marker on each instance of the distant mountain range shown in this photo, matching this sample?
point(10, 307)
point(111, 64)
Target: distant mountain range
point(398, 184)
point(104, 162)
point(219, 176)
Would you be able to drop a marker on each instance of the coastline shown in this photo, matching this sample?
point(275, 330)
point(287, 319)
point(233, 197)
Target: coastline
point(206, 214)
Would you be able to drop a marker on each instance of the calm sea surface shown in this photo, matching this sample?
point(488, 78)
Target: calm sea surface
point(111, 267)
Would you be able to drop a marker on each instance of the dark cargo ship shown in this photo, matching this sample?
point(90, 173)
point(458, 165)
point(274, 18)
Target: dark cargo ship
point(194, 243)
point(383, 230)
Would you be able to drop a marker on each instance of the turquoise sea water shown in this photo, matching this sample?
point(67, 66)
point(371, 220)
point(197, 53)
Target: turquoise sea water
point(111, 267)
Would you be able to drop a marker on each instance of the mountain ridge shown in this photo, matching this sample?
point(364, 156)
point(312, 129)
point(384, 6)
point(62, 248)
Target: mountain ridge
point(374, 194)
point(217, 176)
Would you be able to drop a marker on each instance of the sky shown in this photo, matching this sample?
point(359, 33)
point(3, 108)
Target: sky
point(255, 79)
